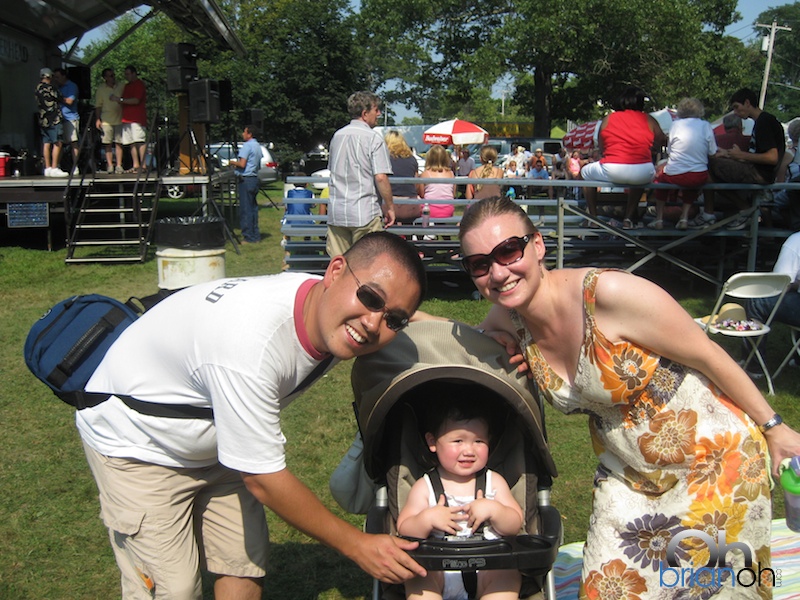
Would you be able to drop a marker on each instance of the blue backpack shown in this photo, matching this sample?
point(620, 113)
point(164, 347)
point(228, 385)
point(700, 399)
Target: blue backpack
point(66, 345)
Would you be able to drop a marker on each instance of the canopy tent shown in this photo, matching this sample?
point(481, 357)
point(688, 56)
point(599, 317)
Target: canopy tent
point(747, 126)
point(57, 22)
point(584, 136)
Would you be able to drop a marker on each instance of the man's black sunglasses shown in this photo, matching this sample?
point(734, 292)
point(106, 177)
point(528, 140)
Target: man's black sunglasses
point(505, 253)
point(395, 319)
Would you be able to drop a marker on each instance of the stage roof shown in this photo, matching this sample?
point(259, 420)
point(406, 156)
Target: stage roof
point(58, 21)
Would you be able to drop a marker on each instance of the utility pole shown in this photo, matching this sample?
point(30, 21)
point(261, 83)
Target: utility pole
point(771, 44)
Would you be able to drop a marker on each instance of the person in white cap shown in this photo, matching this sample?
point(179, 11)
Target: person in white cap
point(48, 101)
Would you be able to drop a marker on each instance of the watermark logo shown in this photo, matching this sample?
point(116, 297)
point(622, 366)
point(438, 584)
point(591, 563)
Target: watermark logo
point(716, 572)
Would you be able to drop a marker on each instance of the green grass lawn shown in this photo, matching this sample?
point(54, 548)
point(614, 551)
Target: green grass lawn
point(52, 543)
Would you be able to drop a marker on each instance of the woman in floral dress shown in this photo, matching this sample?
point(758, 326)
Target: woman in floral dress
point(675, 423)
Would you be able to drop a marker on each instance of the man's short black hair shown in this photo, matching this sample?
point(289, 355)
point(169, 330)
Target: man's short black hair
point(367, 248)
point(739, 97)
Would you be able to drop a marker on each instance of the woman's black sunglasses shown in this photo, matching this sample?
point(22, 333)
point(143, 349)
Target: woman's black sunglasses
point(395, 319)
point(505, 253)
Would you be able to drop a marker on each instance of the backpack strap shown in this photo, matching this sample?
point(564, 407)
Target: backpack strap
point(313, 376)
point(175, 411)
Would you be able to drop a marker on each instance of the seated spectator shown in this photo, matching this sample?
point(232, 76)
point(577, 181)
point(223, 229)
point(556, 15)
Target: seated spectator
point(789, 310)
point(539, 171)
point(574, 164)
point(465, 166)
point(627, 138)
point(560, 166)
point(733, 134)
point(756, 164)
point(787, 202)
point(488, 170)
point(403, 165)
point(513, 171)
point(691, 142)
point(437, 166)
point(538, 154)
point(520, 156)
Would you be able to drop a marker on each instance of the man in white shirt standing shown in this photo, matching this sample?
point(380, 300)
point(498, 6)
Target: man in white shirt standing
point(360, 167)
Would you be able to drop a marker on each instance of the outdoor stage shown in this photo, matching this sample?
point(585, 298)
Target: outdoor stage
point(31, 202)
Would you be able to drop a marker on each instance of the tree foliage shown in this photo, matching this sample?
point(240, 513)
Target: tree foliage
point(301, 65)
point(567, 58)
point(551, 61)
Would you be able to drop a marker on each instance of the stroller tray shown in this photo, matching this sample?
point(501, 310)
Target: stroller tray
point(531, 554)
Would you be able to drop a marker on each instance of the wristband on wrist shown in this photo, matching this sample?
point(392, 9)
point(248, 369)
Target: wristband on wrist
point(774, 421)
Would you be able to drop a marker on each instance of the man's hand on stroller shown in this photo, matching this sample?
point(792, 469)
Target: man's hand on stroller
point(384, 557)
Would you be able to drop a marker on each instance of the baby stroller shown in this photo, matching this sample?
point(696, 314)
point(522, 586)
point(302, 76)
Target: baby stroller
point(392, 389)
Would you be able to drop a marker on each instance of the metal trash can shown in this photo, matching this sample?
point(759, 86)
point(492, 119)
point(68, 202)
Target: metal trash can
point(190, 250)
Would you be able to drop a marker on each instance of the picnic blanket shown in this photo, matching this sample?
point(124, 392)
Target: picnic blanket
point(785, 556)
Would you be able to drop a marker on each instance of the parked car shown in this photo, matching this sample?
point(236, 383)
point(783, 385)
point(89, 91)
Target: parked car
point(223, 152)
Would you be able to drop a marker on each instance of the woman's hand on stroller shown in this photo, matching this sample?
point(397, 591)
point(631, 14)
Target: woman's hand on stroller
point(511, 345)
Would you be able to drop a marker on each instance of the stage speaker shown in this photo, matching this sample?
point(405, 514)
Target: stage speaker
point(225, 95)
point(179, 78)
point(255, 117)
point(204, 101)
point(82, 76)
point(180, 55)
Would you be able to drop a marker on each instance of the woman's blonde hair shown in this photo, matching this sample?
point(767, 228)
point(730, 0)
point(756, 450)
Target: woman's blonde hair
point(397, 144)
point(438, 159)
point(488, 158)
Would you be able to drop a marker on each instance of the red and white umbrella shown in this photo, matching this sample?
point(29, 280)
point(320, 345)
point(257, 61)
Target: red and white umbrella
point(455, 132)
point(582, 137)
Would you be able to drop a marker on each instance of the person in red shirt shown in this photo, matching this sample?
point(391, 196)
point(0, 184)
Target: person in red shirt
point(733, 135)
point(134, 116)
point(628, 137)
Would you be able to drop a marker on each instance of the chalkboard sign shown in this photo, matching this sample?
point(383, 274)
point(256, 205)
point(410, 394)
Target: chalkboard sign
point(28, 214)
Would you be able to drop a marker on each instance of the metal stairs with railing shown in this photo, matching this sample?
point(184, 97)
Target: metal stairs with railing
point(109, 218)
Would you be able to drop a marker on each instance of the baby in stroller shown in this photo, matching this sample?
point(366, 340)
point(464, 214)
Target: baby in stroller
point(398, 392)
point(461, 496)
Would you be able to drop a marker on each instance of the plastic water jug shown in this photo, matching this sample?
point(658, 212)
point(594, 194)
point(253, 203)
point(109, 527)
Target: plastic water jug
point(790, 482)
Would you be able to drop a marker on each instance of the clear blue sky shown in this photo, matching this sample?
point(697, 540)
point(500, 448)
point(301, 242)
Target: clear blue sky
point(750, 9)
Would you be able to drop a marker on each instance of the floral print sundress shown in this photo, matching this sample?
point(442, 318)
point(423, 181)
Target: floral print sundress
point(675, 454)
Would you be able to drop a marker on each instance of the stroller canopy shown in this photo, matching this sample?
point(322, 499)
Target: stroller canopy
point(436, 351)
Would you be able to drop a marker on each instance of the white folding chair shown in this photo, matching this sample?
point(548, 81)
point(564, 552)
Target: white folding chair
point(794, 351)
point(744, 286)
